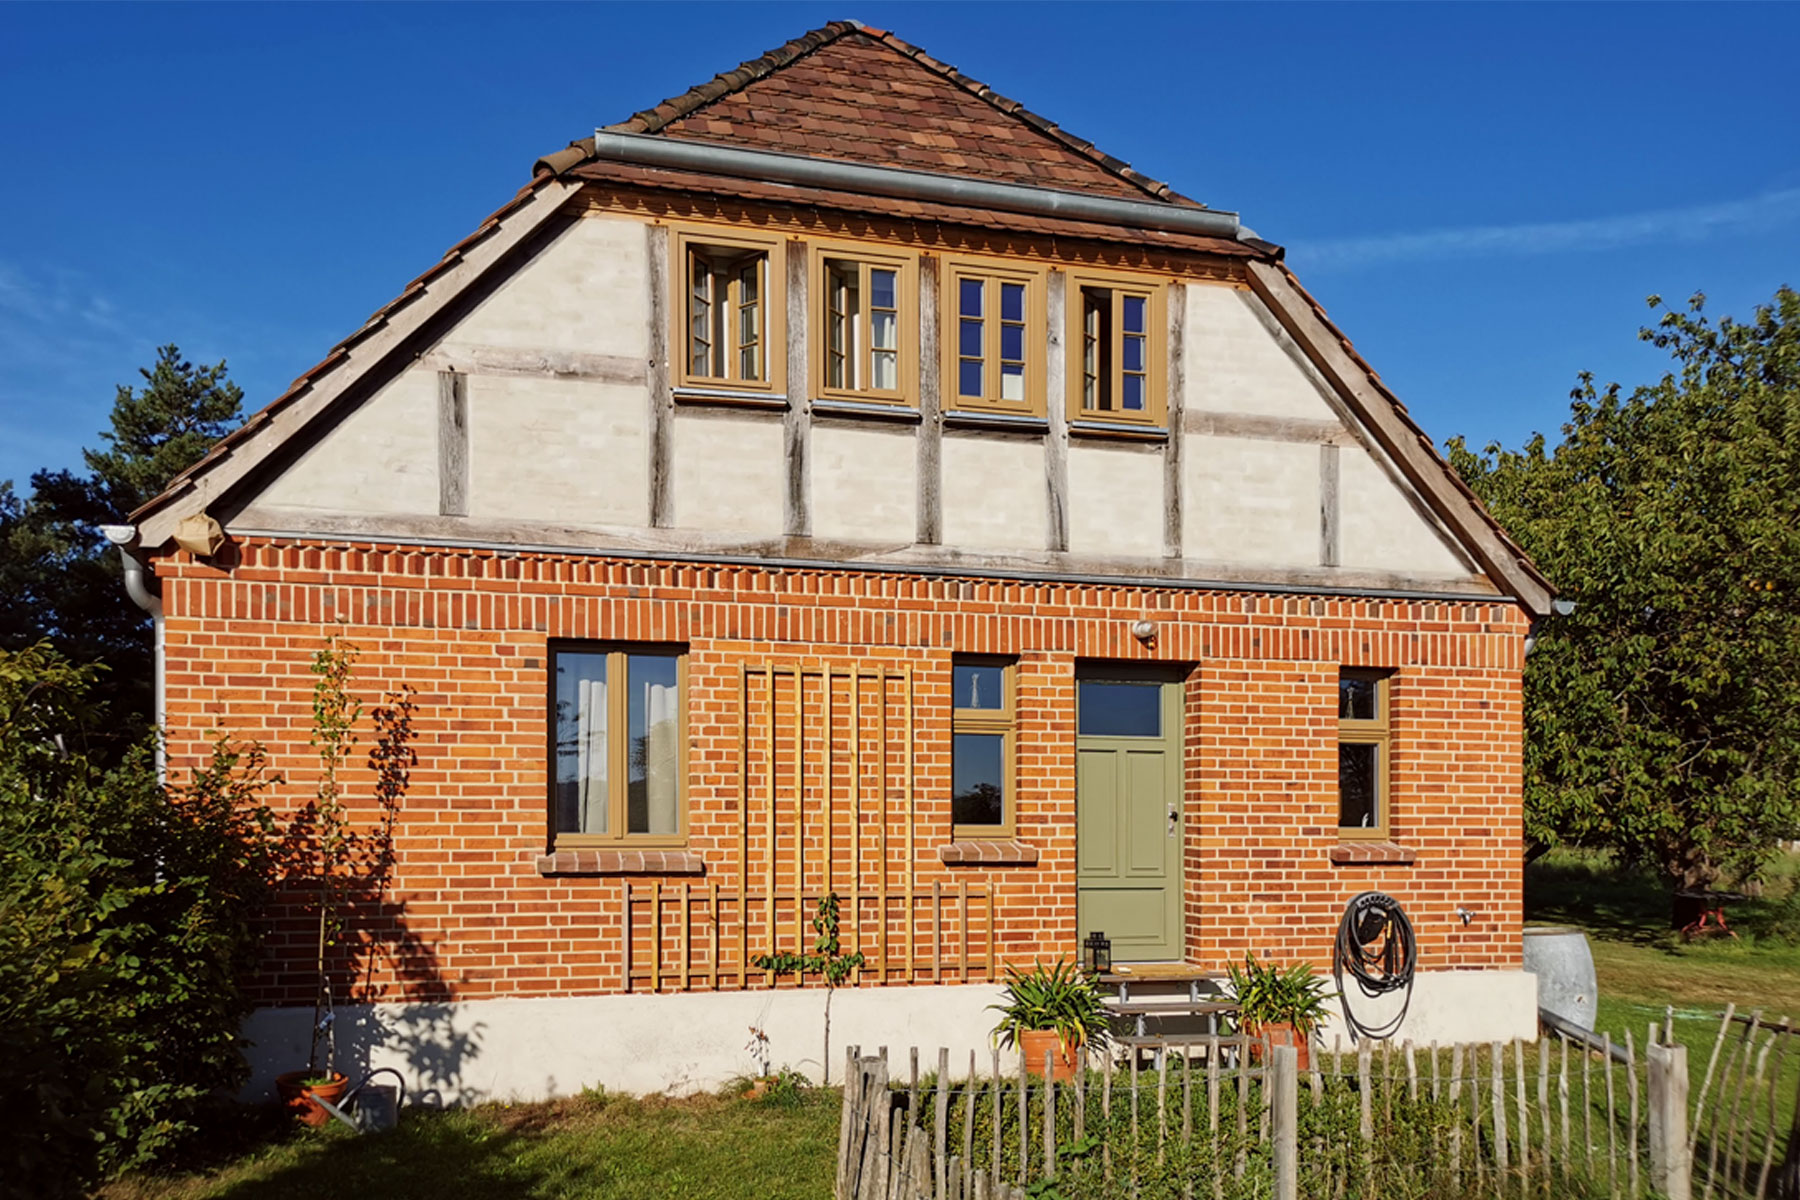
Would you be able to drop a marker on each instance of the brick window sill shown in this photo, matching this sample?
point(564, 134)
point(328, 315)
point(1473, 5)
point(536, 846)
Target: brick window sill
point(1373, 852)
point(621, 862)
point(997, 853)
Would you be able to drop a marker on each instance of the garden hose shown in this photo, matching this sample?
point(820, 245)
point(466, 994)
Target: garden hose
point(1376, 946)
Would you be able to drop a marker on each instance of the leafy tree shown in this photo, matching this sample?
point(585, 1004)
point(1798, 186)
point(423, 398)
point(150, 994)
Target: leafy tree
point(60, 573)
point(1662, 715)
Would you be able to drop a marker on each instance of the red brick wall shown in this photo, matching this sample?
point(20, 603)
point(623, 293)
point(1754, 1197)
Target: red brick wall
point(470, 916)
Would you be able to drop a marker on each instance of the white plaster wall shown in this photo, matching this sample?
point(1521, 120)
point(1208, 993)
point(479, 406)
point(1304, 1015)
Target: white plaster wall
point(570, 451)
point(1235, 363)
point(865, 483)
point(727, 473)
point(463, 1053)
point(1116, 501)
point(1248, 501)
point(588, 292)
point(1380, 529)
point(381, 458)
point(1448, 1007)
point(478, 1050)
point(994, 495)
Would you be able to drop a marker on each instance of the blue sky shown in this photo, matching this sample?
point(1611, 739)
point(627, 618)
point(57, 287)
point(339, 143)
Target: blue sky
point(1481, 196)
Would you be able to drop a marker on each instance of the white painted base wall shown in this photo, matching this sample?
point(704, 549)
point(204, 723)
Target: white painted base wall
point(467, 1052)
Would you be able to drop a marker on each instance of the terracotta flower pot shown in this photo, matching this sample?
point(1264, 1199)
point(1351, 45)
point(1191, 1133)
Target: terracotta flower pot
point(297, 1098)
point(1039, 1042)
point(1280, 1033)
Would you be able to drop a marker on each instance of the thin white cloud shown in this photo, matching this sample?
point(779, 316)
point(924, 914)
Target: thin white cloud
point(1755, 214)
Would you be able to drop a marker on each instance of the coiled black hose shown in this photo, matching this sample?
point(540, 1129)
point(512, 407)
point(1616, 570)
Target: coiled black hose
point(1376, 946)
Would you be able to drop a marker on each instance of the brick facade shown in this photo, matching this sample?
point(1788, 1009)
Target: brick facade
point(473, 913)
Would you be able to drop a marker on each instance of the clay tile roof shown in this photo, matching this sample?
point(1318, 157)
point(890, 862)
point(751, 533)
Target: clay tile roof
point(846, 91)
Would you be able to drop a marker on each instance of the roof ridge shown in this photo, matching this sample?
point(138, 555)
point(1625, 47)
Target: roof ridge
point(655, 118)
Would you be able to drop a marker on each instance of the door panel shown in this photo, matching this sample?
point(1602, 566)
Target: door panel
point(1127, 781)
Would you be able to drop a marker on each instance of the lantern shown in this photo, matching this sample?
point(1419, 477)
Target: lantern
point(1097, 953)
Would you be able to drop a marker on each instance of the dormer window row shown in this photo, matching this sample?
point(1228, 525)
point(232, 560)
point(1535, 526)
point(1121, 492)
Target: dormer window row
point(864, 340)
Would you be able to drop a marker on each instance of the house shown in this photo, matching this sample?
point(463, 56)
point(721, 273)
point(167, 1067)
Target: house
point(838, 478)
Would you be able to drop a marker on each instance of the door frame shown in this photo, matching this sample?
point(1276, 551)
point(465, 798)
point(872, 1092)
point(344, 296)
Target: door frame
point(1174, 680)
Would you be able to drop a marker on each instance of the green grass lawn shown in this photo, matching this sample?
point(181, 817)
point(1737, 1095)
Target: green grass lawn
point(591, 1148)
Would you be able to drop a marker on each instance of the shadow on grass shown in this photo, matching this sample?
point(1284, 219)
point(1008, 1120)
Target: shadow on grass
point(1632, 905)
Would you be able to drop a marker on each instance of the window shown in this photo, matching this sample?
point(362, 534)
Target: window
point(1363, 754)
point(867, 327)
point(994, 340)
point(982, 732)
point(730, 330)
point(1114, 341)
point(619, 764)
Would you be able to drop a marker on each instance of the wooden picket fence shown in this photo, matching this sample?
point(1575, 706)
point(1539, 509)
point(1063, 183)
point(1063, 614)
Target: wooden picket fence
point(1549, 1119)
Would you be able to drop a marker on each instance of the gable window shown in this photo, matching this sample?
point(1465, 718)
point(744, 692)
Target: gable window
point(618, 751)
point(993, 362)
point(1115, 341)
point(982, 735)
point(729, 335)
point(867, 326)
point(1364, 745)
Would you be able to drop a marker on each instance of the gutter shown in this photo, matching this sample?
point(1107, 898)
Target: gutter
point(772, 166)
point(138, 587)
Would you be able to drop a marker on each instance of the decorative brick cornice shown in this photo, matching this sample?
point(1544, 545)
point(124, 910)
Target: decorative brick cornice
point(992, 853)
point(1363, 853)
point(621, 862)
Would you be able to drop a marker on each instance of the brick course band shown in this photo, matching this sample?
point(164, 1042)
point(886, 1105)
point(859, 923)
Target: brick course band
point(621, 862)
point(1372, 852)
point(959, 853)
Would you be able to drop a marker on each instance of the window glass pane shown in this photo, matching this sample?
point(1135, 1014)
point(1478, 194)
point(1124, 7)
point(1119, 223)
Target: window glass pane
point(881, 289)
point(978, 771)
point(700, 318)
point(1133, 393)
point(1356, 698)
point(886, 327)
point(968, 381)
point(971, 297)
point(1012, 383)
point(1134, 314)
point(885, 368)
point(1358, 795)
point(1012, 343)
point(581, 776)
point(653, 764)
point(968, 342)
point(1012, 302)
point(1119, 709)
point(978, 686)
point(1134, 353)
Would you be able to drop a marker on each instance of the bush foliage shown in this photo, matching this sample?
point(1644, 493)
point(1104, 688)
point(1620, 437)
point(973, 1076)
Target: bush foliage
point(125, 926)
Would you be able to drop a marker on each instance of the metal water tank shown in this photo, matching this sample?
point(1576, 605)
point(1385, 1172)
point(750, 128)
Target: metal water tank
point(1559, 956)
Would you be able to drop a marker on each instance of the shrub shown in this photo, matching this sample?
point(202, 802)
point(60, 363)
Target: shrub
point(125, 925)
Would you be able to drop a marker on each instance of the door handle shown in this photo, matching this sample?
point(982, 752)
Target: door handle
point(1174, 819)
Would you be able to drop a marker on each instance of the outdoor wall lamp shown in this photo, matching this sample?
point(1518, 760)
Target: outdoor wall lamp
point(1097, 953)
point(1144, 631)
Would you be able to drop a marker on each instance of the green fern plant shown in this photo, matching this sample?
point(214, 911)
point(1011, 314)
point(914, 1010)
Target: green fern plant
point(1060, 999)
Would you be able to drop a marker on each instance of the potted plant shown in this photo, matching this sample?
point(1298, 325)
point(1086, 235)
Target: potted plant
point(1279, 1007)
point(1051, 1010)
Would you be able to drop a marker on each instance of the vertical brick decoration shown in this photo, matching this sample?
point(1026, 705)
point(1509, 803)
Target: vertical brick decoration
point(471, 916)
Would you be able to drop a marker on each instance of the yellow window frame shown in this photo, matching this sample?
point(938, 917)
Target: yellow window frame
point(860, 356)
point(618, 750)
point(1111, 368)
point(1377, 732)
point(1003, 721)
point(992, 275)
point(717, 244)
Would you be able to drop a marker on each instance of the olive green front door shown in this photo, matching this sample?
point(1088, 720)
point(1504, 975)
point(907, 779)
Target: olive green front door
point(1128, 812)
